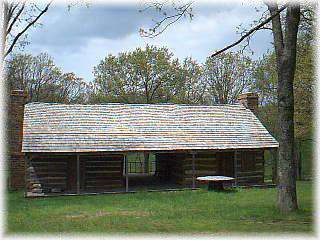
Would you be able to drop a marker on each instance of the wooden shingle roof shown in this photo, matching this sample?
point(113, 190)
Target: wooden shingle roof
point(52, 127)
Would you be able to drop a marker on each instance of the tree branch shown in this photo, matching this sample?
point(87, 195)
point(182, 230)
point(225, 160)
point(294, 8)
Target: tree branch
point(26, 28)
point(152, 5)
point(182, 10)
point(157, 34)
point(12, 8)
point(15, 19)
point(251, 31)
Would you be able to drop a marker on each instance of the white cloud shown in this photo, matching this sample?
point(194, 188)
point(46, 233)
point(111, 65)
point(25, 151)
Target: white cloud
point(211, 29)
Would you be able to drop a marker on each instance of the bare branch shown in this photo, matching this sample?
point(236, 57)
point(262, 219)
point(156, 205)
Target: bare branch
point(12, 8)
point(181, 11)
point(156, 34)
point(152, 5)
point(26, 28)
point(251, 31)
point(15, 18)
point(265, 28)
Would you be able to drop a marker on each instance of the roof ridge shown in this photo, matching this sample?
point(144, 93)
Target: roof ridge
point(132, 104)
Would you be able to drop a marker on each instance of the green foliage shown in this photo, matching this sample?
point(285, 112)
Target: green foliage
point(265, 83)
point(192, 85)
point(143, 76)
point(265, 79)
point(42, 80)
point(304, 88)
point(149, 75)
point(245, 211)
point(227, 75)
point(153, 75)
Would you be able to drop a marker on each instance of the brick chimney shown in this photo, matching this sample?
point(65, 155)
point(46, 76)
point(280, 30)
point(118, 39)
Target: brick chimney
point(16, 163)
point(249, 100)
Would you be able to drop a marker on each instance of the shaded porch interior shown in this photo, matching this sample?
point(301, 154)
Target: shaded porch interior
point(105, 172)
point(93, 173)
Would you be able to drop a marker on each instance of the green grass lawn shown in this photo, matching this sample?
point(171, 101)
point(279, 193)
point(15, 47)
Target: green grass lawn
point(246, 211)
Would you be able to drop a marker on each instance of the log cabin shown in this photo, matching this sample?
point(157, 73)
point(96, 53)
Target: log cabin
point(79, 149)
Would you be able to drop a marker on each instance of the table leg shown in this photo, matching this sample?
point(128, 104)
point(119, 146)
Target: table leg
point(215, 186)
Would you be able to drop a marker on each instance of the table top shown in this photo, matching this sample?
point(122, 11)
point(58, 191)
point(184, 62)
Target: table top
point(215, 178)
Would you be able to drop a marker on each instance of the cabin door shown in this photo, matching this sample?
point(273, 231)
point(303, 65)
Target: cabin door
point(225, 164)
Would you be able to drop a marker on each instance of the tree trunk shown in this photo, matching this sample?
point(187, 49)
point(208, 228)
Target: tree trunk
point(285, 46)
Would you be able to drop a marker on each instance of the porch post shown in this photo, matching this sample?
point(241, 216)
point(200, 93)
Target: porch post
point(193, 171)
point(235, 166)
point(78, 174)
point(126, 171)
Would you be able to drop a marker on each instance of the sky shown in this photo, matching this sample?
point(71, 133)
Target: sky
point(79, 38)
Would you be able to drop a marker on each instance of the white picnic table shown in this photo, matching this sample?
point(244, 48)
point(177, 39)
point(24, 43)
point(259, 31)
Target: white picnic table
point(215, 182)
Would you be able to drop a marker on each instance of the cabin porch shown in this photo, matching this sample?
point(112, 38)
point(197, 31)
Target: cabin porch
point(61, 173)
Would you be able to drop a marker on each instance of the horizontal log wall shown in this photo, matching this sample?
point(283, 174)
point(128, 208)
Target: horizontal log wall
point(205, 164)
point(102, 173)
point(45, 174)
point(250, 167)
point(57, 173)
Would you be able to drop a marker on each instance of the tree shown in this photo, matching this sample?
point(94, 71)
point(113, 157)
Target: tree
point(34, 74)
point(42, 81)
point(285, 49)
point(265, 79)
point(304, 85)
point(71, 89)
point(18, 17)
point(227, 75)
point(285, 42)
point(191, 85)
point(143, 76)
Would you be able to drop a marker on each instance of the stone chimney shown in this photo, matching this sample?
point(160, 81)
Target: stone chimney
point(249, 100)
point(16, 163)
